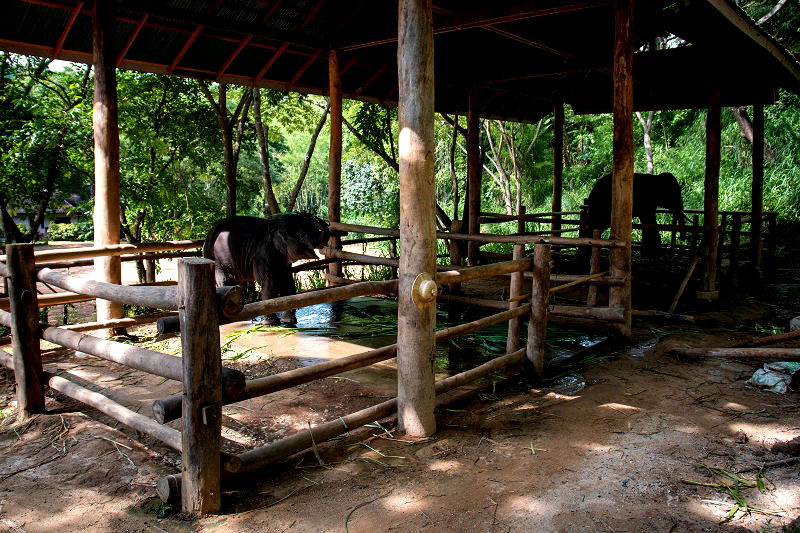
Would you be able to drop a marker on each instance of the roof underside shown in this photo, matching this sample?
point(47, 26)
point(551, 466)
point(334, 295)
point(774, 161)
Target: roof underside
point(523, 55)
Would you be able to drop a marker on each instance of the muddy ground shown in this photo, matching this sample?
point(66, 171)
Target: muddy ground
point(629, 452)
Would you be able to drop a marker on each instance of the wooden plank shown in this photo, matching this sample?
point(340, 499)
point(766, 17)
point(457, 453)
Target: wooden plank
point(540, 295)
point(106, 151)
point(202, 391)
point(416, 321)
point(711, 193)
point(335, 154)
point(25, 330)
point(622, 180)
point(515, 289)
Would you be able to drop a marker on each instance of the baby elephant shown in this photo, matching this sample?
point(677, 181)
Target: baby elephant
point(248, 249)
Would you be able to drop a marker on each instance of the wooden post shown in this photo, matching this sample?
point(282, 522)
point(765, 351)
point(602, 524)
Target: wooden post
point(721, 235)
point(515, 289)
point(25, 329)
point(474, 173)
point(594, 268)
point(558, 163)
point(772, 240)
point(455, 253)
point(711, 200)
point(335, 154)
point(757, 192)
point(416, 322)
point(540, 291)
point(733, 255)
point(622, 180)
point(202, 390)
point(106, 155)
point(693, 235)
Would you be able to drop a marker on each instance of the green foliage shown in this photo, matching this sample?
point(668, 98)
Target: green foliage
point(81, 231)
point(370, 193)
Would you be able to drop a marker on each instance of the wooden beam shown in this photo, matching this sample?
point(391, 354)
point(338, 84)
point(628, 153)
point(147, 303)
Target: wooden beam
point(757, 191)
point(369, 81)
point(241, 46)
point(271, 61)
point(540, 294)
point(25, 330)
point(528, 42)
point(304, 68)
point(202, 393)
point(335, 153)
point(622, 180)
point(189, 42)
point(711, 196)
point(416, 320)
point(67, 28)
point(131, 38)
point(106, 155)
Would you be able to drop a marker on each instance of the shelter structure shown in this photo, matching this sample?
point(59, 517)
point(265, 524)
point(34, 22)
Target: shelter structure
point(516, 60)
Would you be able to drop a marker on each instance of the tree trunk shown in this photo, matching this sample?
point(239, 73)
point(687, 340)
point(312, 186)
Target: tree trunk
point(271, 206)
point(746, 129)
point(453, 175)
point(10, 229)
point(647, 128)
point(307, 161)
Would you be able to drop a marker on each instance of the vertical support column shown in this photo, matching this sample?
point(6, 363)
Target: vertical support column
point(540, 295)
point(456, 226)
point(622, 180)
point(757, 192)
point(335, 155)
point(106, 155)
point(594, 268)
point(558, 164)
point(474, 173)
point(515, 289)
point(25, 329)
point(416, 322)
point(711, 198)
point(202, 387)
point(393, 255)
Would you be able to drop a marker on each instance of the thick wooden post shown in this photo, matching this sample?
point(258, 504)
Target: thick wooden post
point(558, 164)
point(540, 291)
point(515, 289)
point(416, 322)
point(335, 154)
point(622, 180)
point(106, 155)
point(711, 198)
point(456, 226)
point(757, 192)
point(474, 173)
point(25, 329)
point(202, 387)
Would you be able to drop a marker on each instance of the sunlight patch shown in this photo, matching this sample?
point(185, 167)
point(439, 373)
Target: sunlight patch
point(445, 466)
point(620, 407)
point(404, 502)
point(526, 504)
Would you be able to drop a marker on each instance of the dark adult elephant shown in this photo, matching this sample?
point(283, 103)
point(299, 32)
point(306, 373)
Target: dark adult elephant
point(252, 249)
point(650, 191)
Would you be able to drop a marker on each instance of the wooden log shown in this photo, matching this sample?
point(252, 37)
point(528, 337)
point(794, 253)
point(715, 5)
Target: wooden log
point(335, 152)
point(711, 195)
point(664, 315)
point(769, 265)
point(622, 175)
point(393, 255)
point(514, 239)
point(477, 302)
point(759, 354)
point(604, 314)
point(416, 320)
point(558, 163)
point(230, 299)
point(119, 322)
point(74, 263)
point(540, 294)
point(273, 452)
point(25, 330)
point(733, 254)
point(482, 271)
point(168, 409)
point(202, 391)
point(594, 267)
point(772, 339)
point(515, 288)
point(106, 152)
point(757, 188)
point(69, 254)
point(474, 174)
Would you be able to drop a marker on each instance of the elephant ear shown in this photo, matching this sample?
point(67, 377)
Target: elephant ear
point(280, 243)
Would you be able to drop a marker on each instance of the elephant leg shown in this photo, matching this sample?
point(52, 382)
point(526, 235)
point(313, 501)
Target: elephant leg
point(288, 289)
point(268, 291)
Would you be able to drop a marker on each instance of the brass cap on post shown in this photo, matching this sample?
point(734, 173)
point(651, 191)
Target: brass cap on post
point(424, 290)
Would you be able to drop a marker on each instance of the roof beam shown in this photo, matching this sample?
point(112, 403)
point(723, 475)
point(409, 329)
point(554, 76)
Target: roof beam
point(302, 70)
point(189, 42)
point(128, 43)
point(490, 17)
point(67, 27)
point(233, 56)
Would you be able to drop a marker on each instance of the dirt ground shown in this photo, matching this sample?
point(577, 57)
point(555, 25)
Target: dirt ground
point(629, 452)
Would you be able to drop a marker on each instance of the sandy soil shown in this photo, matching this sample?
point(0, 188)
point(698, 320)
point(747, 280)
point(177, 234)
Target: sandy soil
point(614, 456)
